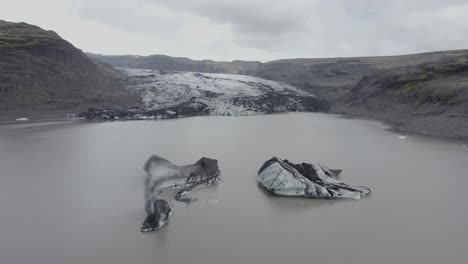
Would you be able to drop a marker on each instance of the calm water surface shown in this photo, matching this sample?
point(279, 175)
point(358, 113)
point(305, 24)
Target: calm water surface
point(73, 193)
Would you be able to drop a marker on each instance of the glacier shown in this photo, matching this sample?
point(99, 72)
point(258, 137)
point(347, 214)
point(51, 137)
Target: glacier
point(193, 93)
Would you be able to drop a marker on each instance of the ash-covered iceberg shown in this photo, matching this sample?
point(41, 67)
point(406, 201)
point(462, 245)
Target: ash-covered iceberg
point(164, 176)
point(284, 178)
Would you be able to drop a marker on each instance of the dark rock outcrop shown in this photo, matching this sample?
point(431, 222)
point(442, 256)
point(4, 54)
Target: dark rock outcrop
point(164, 176)
point(284, 178)
point(132, 114)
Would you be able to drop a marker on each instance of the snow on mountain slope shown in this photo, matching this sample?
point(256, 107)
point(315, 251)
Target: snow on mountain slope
point(217, 94)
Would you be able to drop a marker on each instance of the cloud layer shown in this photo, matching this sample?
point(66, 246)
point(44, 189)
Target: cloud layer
point(250, 29)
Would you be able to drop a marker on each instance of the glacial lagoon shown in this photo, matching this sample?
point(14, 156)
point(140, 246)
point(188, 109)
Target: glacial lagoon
point(73, 193)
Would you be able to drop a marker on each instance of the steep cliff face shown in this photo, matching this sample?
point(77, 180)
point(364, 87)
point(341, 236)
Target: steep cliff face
point(39, 70)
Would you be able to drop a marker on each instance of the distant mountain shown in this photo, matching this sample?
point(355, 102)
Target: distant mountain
point(41, 71)
point(167, 63)
point(424, 93)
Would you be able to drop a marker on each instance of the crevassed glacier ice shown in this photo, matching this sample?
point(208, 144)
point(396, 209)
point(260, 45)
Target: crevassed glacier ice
point(191, 93)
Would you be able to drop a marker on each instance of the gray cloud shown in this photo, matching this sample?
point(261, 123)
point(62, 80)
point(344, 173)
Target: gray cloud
point(256, 29)
point(260, 16)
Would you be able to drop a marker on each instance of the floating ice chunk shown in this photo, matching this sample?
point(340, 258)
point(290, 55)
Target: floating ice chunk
point(163, 176)
point(213, 201)
point(284, 178)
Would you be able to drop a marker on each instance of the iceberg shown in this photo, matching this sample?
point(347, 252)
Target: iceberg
point(164, 176)
point(284, 178)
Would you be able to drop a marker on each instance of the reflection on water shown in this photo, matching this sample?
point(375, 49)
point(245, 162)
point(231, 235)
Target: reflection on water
point(73, 193)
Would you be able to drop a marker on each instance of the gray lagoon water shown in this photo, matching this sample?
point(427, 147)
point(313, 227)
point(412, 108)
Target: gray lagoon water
point(73, 193)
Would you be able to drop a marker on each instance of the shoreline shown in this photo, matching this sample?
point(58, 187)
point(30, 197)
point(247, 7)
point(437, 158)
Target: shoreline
point(8, 118)
point(36, 115)
point(396, 128)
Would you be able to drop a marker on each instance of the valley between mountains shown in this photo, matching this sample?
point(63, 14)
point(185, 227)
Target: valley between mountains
point(44, 76)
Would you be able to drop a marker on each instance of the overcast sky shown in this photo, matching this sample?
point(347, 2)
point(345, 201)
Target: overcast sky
point(250, 29)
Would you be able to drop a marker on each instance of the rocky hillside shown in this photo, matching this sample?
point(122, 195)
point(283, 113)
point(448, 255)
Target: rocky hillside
point(334, 77)
point(189, 93)
point(430, 97)
point(41, 71)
